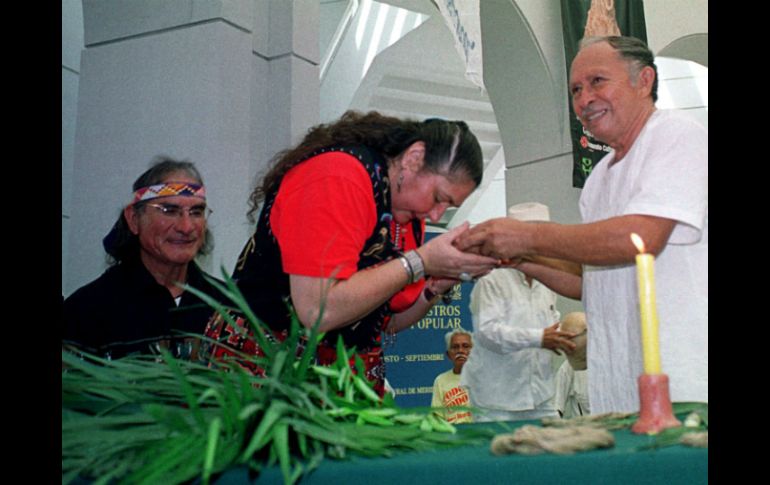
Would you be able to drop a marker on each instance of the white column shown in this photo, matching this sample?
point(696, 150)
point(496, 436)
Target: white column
point(223, 84)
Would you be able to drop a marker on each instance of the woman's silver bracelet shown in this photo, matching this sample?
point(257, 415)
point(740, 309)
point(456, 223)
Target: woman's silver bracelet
point(415, 264)
point(407, 267)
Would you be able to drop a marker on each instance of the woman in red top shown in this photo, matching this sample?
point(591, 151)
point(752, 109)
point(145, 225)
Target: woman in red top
point(340, 233)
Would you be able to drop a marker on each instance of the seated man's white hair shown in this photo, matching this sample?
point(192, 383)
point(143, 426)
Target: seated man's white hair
point(458, 331)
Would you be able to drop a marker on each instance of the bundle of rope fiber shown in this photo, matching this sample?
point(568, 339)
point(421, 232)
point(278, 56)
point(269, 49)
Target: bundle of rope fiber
point(531, 440)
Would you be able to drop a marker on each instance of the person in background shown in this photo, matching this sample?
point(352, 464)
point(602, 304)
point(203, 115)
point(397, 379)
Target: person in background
point(447, 392)
point(139, 304)
point(510, 375)
point(653, 182)
point(572, 376)
point(339, 240)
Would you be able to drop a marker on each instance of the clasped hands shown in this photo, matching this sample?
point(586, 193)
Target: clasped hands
point(511, 242)
point(503, 238)
point(466, 253)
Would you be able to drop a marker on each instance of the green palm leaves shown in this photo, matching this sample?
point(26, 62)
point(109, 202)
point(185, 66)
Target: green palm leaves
point(145, 419)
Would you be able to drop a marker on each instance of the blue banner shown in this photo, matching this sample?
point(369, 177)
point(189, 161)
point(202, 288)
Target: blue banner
point(418, 354)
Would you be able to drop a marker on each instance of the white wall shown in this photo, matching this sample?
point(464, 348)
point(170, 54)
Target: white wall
point(683, 85)
point(330, 13)
point(223, 84)
point(672, 21)
point(524, 71)
point(71, 46)
point(169, 93)
point(491, 204)
point(375, 27)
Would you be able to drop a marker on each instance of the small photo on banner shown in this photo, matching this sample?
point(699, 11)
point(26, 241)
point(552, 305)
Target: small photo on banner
point(415, 356)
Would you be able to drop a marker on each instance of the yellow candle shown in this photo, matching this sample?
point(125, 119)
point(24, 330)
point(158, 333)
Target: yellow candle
point(645, 274)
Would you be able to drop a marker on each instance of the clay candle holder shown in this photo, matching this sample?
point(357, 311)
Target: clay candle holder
point(655, 410)
point(655, 413)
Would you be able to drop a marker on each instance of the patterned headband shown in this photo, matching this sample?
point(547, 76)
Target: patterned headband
point(169, 189)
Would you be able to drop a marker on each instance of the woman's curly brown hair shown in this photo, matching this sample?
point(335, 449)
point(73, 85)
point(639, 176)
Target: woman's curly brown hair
point(450, 147)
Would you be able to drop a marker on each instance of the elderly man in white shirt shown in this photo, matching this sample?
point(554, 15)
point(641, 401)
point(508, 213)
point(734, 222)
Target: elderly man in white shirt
point(510, 373)
point(653, 182)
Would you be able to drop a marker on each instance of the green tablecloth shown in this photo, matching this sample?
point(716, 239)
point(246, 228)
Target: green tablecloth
point(476, 465)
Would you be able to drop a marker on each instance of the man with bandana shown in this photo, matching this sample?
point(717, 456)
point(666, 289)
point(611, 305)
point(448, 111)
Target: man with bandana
point(139, 305)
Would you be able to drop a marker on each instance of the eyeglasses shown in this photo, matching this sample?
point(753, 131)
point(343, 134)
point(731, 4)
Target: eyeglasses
point(173, 211)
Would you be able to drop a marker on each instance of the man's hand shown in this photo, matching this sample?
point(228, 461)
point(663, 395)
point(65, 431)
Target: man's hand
point(555, 340)
point(441, 257)
point(502, 238)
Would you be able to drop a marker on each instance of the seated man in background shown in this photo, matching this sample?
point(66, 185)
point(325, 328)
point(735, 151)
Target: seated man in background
point(447, 392)
point(138, 305)
point(572, 377)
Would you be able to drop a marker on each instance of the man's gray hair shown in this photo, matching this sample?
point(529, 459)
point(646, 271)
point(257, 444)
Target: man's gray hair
point(634, 51)
point(458, 331)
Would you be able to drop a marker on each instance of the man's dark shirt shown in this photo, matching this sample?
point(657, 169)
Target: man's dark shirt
point(126, 311)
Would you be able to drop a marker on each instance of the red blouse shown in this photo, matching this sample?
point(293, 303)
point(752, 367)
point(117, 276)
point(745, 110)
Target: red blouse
point(322, 216)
